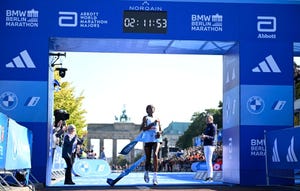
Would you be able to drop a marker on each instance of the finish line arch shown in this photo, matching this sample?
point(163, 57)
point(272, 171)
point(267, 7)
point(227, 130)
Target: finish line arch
point(256, 40)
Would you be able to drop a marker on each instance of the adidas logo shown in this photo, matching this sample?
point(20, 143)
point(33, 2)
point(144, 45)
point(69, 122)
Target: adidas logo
point(269, 65)
point(291, 156)
point(22, 61)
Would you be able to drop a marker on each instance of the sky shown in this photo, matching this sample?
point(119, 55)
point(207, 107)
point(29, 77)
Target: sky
point(177, 85)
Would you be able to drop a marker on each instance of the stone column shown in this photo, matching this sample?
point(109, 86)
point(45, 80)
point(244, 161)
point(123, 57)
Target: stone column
point(114, 153)
point(132, 154)
point(101, 143)
point(88, 143)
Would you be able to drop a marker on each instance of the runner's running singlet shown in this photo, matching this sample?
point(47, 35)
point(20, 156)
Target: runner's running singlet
point(149, 135)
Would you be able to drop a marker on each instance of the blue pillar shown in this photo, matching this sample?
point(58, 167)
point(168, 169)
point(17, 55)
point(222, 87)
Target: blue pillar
point(258, 96)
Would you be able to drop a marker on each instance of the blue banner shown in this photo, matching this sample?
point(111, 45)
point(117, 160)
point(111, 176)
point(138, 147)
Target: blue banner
point(231, 109)
point(3, 139)
point(266, 105)
point(268, 63)
point(19, 97)
point(264, 24)
point(257, 38)
point(231, 155)
point(283, 148)
point(19, 141)
point(26, 62)
point(58, 162)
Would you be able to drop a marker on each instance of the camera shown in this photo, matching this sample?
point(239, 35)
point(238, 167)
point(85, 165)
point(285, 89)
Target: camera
point(61, 114)
point(61, 71)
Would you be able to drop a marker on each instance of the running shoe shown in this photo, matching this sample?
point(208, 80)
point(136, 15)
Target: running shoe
point(146, 176)
point(155, 181)
point(209, 179)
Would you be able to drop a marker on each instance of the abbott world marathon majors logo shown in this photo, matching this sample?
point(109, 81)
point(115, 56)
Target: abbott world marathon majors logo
point(207, 23)
point(82, 19)
point(22, 18)
point(8, 100)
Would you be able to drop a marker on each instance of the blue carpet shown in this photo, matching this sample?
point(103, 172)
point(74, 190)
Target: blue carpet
point(137, 179)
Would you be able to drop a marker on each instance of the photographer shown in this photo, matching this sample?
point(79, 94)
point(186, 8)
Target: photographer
point(57, 132)
point(59, 128)
point(69, 151)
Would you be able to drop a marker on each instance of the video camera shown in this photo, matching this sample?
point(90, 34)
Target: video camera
point(61, 114)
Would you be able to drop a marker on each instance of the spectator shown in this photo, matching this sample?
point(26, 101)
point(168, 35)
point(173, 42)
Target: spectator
point(102, 154)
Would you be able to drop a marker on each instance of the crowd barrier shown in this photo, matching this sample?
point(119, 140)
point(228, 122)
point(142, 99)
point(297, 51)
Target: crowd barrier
point(282, 154)
point(15, 153)
point(201, 170)
point(81, 167)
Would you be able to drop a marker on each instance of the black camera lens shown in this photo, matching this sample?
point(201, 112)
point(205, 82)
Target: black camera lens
point(61, 114)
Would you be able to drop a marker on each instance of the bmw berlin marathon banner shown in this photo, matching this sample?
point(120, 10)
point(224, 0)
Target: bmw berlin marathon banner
point(255, 38)
point(283, 149)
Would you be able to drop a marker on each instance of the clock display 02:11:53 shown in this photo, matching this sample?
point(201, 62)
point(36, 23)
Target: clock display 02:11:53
point(145, 22)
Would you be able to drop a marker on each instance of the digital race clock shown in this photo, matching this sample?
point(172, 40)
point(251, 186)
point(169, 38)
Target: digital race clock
point(145, 22)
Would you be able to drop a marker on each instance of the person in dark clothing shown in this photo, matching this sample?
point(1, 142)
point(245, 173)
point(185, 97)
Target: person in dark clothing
point(209, 144)
point(69, 151)
point(102, 154)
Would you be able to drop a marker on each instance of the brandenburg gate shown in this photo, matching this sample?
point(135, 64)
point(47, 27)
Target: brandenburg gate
point(114, 131)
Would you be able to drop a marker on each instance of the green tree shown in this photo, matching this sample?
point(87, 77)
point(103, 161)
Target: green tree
point(121, 161)
point(66, 99)
point(198, 125)
point(297, 80)
point(296, 90)
point(138, 156)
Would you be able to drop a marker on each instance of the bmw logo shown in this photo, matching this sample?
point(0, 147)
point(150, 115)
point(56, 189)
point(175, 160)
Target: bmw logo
point(8, 100)
point(255, 104)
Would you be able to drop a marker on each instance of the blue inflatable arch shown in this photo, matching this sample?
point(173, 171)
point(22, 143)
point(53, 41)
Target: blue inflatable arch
point(258, 41)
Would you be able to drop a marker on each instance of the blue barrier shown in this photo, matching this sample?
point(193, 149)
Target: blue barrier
point(15, 145)
point(91, 167)
point(3, 138)
point(282, 152)
point(58, 162)
point(15, 151)
point(81, 167)
point(201, 166)
point(283, 148)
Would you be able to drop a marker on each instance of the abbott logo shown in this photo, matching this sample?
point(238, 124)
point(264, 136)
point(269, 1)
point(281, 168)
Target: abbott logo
point(67, 19)
point(266, 24)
